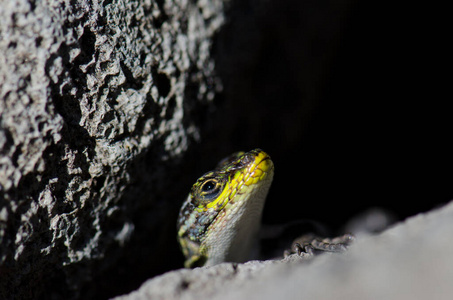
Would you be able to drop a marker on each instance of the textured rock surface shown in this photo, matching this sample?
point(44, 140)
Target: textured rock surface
point(411, 260)
point(92, 123)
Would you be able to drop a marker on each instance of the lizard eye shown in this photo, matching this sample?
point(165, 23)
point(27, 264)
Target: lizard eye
point(207, 189)
point(210, 189)
point(209, 186)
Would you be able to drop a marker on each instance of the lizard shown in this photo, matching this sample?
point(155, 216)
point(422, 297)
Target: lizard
point(221, 217)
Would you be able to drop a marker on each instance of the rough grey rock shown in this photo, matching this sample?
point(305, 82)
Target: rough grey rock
point(92, 123)
point(411, 260)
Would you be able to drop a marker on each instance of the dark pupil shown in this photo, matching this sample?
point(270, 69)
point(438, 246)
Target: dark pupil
point(208, 186)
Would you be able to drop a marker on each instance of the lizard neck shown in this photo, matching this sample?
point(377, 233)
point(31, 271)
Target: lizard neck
point(240, 242)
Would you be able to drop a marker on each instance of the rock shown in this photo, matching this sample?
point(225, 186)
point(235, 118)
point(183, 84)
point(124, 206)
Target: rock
point(99, 101)
point(411, 260)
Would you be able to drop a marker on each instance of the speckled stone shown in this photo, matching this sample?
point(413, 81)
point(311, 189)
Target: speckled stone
point(94, 98)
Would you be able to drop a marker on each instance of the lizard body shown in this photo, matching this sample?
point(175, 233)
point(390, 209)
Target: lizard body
point(221, 217)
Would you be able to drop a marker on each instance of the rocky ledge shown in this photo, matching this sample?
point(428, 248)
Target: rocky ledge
point(411, 260)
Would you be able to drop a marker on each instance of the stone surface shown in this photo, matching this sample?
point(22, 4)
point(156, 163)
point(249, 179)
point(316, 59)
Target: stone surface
point(92, 129)
point(411, 260)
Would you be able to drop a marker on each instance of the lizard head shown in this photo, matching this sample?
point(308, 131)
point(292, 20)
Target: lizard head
point(222, 213)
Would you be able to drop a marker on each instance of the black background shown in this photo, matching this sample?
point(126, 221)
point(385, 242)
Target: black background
point(350, 99)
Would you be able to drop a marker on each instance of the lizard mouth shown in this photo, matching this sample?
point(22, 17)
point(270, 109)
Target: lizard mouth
point(260, 169)
point(247, 173)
